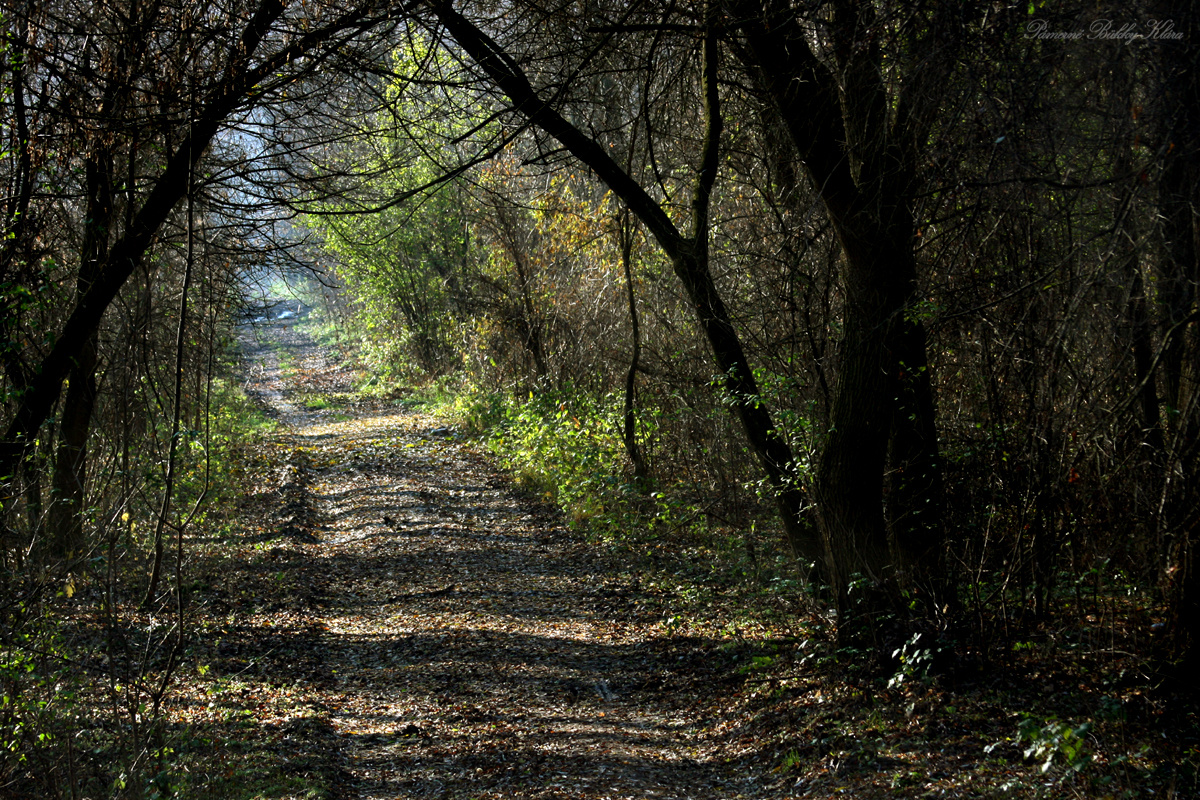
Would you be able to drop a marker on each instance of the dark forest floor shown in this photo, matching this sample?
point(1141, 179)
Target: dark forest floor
point(394, 619)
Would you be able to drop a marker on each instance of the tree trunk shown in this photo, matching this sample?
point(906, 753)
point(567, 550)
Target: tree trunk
point(879, 479)
point(1179, 284)
point(879, 489)
point(1145, 432)
point(626, 233)
point(69, 486)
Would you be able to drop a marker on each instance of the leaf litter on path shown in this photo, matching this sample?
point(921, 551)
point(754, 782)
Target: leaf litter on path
point(417, 628)
point(390, 618)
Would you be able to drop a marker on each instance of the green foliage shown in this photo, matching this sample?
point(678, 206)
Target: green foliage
point(1052, 742)
point(402, 268)
point(915, 661)
point(791, 760)
point(758, 663)
point(38, 694)
point(565, 448)
point(477, 411)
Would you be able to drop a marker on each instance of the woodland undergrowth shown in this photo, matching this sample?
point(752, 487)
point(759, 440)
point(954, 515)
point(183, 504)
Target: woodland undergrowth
point(87, 661)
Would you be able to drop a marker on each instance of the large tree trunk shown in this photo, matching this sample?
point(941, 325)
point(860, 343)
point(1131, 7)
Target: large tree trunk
point(1145, 432)
point(879, 488)
point(69, 487)
point(879, 478)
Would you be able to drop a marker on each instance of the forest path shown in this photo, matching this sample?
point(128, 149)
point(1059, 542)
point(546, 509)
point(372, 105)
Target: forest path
point(444, 636)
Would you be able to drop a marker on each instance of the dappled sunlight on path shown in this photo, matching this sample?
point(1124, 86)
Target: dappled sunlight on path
point(469, 644)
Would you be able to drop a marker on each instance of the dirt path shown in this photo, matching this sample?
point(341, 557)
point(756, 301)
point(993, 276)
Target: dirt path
point(444, 637)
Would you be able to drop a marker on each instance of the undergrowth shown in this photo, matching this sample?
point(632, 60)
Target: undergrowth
point(566, 449)
point(85, 662)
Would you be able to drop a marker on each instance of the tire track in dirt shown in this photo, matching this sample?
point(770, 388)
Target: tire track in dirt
point(469, 645)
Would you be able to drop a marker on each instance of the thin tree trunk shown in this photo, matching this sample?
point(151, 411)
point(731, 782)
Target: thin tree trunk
point(627, 234)
point(176, 408)
point(22, 177)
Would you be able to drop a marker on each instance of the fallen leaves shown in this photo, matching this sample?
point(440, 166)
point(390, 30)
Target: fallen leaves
point(398, 622)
